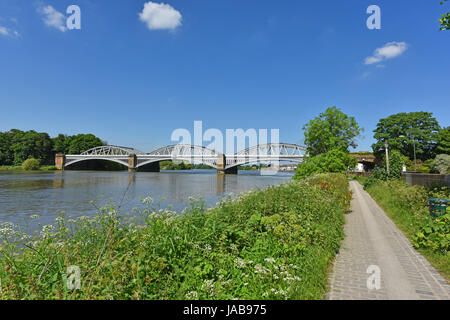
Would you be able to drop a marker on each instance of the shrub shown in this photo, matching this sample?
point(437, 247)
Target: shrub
point(442, 163)
point(435, 235)
point(30, 164)
point(335, 161)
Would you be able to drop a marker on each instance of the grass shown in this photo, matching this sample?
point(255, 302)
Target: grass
point(276, 243)
point(407, 207)
point(19, 168)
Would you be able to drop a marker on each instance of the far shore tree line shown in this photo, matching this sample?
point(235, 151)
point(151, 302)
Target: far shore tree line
point(329, 137)
point(17, 146)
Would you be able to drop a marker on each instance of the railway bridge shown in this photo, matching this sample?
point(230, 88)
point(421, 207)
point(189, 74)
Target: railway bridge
point(224, 163)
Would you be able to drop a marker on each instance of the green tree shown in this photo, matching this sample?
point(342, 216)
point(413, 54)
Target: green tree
point(396, 163)
point(335, 160)
point(403, 130)
point(329, 130)
point(443, 141)
point(445, 20)
point(31, 144)
point(83, 142)
point(6, 154)
point(61, 144)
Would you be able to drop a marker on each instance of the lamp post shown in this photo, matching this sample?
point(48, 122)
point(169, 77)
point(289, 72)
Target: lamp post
point(414, 145)
point(387, 156)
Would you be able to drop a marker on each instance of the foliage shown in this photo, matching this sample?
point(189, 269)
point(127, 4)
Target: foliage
point(16, 146)
point(277, 243)
point(395, 164)
point(435, 235)
point(396, 161)
point(30, 164)
point(443, 141)
point(408, 207)
point(335, 160)
point(82, 142)
point(169, 165)
point(419, 129)
point(331, 129)
point(445, 20)
point(442, 163)
point(23, 145)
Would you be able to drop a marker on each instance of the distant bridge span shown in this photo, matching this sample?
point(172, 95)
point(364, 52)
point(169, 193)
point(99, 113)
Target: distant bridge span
point(136, 159)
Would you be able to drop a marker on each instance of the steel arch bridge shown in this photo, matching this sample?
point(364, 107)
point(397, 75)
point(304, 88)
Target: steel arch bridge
point(135, 159)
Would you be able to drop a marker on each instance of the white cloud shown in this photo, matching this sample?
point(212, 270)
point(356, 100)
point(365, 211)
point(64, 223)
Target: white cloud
point(160, 16)
point(8, 32)
point(4, 31)
point(53, 18)
point(388, 51)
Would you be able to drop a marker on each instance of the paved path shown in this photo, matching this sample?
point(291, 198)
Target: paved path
point(372, 239)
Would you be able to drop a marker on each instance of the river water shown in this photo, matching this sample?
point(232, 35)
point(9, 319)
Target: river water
point(46, 193)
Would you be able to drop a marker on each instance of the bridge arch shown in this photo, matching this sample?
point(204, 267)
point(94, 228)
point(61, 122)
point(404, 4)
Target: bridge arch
point(181, 152)
point(111, 151)
point(267, 152)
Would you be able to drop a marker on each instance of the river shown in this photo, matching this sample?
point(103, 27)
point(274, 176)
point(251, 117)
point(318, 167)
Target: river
point(47, 193)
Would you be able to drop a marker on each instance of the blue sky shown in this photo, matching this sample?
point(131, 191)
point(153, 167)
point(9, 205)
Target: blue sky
point(232, 64)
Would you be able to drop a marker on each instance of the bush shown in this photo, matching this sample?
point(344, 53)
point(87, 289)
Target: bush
point(442, 163)
point(435, 235)
point(334, 161)
point(30, 164)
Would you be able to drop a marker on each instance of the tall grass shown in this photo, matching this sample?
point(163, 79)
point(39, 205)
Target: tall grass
point(271, 244)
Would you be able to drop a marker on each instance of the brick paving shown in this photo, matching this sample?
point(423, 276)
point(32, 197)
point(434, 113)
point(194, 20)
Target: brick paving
point(372, 239)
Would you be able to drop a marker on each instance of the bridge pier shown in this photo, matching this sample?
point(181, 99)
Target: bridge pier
point(60, 161)
point(132, 162)
point(221, 165)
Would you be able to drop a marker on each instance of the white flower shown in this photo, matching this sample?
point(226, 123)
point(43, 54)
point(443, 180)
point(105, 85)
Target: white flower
point(193, 295)
point(240, 263)
point(270, 260)
point(147, 200)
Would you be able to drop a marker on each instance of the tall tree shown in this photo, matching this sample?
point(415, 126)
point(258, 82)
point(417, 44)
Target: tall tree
point(406, 131)
point(31, 144)
point(61, 143)
point(445, 20)
point(443, 141)
point(331, 129)
point(83, 142)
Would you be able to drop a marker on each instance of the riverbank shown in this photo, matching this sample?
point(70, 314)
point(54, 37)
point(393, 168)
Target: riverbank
point(277, 243)
point(408, 208)
point(19, 168)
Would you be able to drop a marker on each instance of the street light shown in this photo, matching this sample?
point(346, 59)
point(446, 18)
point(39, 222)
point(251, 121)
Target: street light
point(387, 156)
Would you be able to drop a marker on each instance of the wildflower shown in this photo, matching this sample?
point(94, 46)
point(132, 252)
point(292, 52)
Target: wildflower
point(260, 269)
point(147, 200)
point(270, 260)
point(240, 263)
point(193, 295)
